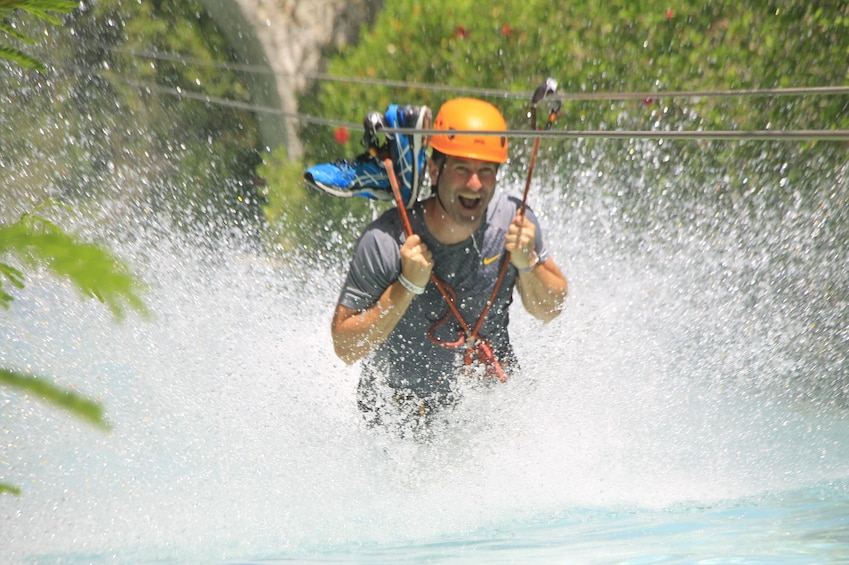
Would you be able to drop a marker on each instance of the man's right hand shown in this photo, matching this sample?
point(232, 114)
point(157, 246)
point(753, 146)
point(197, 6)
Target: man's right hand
point(416, 261)
point(356, 333)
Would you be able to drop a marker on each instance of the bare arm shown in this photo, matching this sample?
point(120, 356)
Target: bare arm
point(356, 333)
point(543, 287)
point(543, 290)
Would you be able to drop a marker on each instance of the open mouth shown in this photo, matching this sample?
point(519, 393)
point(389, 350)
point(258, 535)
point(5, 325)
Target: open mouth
point(469, 202)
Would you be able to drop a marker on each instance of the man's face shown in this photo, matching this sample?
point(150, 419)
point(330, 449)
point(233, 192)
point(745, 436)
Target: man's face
point(465, 188)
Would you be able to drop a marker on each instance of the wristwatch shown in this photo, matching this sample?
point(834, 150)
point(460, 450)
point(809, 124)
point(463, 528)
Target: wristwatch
point(532, 265)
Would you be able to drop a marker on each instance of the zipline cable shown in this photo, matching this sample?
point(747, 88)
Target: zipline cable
point(575, 96)
point(711, 135)
point(717, 135)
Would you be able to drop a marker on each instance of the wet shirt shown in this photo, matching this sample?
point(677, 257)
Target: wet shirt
point(410, 360)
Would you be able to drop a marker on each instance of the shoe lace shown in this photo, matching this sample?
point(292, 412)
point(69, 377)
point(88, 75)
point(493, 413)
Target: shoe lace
point(361, 158)
point(375, 139)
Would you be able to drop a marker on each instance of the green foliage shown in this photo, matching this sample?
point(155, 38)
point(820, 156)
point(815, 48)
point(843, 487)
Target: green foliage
point(595, 47)
point(20, 58)
point(9, 489)
point(600, 46)
point(93, 270)
point(111, 66)
point(68, 400)
point(282, 178)
point(211, 151)
point(74, 403)
point(15, 277)
point(40, 9)
point(37, 242)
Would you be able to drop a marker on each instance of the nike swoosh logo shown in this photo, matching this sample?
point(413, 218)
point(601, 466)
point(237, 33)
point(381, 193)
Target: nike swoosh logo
point(491, 260)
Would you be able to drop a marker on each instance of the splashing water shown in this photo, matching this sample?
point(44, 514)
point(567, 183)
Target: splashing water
point(673, 382)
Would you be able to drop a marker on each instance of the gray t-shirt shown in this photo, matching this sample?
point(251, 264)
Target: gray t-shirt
point(409, 360)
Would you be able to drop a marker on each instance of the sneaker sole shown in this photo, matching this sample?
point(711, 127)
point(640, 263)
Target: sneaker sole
point(420, 143)
point(373, 193)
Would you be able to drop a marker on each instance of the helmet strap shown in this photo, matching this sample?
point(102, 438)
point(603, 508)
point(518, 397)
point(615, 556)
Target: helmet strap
point(435, 185)
point(439, 199)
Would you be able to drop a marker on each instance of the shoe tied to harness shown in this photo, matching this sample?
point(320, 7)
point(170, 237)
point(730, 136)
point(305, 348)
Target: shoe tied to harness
point(366, 174)
point(408, 150)
point(344, 178)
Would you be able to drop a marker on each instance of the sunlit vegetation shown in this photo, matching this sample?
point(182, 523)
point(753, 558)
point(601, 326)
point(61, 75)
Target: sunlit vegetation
point(624, 46)
point(34, 243)
point(106, 106)
point(600, 48)
point(43, 9)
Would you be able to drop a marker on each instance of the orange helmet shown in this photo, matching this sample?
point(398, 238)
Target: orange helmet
point(470, 114)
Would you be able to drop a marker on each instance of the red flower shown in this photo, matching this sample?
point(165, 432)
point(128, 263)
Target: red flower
point(506, 29)
point(669, 14)
point(341, 135)
point(461, 33)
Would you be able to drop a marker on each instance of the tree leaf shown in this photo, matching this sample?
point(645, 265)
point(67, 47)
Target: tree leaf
point(95, 271)
point(10, 489)
point(77, 404)
point(38, 8)
point(21, 58)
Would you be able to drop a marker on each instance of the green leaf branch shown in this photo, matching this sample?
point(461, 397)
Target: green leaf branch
point(95, 271)
point(38, 243)
point(41, 9)
point(40, 388)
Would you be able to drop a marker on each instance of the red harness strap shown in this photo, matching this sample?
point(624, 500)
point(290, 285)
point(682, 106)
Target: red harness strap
point(478, 349)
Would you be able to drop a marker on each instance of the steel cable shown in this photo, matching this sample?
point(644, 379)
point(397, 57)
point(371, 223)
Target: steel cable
point(715, 135)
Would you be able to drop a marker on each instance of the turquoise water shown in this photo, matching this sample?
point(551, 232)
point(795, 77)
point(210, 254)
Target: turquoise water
point(807, 526)
point(687, 407)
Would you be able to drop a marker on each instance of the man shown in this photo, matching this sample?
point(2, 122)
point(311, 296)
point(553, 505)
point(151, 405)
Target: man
point(415, 307)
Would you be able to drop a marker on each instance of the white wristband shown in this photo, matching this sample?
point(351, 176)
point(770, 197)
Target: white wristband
point(410, 286)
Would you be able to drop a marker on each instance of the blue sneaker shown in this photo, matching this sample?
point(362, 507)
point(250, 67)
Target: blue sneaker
point(363, 176)
point(408, 151)
point(366, 175)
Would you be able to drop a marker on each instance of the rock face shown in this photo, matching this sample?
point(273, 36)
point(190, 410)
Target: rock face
point(288, 37)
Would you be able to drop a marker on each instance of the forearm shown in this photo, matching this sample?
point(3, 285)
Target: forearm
point(543, 290)
point(357, 333)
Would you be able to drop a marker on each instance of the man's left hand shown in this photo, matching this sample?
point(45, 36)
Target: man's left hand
point(520, 242)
